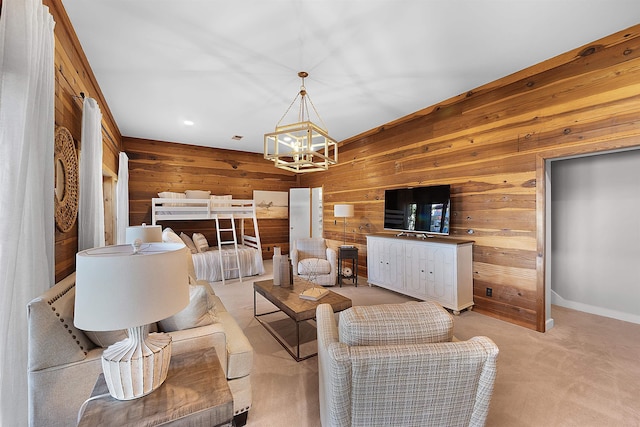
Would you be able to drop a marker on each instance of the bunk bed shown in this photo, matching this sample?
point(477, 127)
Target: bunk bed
point(231, 258)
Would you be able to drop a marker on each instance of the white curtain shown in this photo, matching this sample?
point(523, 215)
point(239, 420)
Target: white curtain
point(26, 187)
point(90, 203)
point(122, 198)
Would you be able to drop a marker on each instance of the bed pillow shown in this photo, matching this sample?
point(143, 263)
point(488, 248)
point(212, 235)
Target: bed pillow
point(197, 194)
point(187, 241)
point(199, 312)
point(218, 201)
point(200, 242)
point(172, 195)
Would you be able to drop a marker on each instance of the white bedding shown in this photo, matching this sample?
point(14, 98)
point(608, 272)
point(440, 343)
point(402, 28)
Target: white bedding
point(207, 264)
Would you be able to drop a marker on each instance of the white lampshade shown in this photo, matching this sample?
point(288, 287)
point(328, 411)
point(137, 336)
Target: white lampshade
point(118, 287)
point(146, 233)
point(343, 211)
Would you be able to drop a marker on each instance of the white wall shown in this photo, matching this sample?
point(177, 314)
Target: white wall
point(595, 229)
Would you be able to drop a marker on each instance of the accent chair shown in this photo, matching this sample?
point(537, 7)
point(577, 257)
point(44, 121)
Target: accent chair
point(313, 260)
point(398, 365)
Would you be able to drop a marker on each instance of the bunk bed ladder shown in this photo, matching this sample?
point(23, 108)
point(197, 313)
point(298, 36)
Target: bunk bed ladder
point(258, 243)
point(222, 243)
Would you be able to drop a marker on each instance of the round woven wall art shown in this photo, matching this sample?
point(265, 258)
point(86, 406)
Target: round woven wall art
point(66, 179)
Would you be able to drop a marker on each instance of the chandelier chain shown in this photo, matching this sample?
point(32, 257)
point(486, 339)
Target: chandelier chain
point(303, 106)
point(317, 114)
point(287, 112)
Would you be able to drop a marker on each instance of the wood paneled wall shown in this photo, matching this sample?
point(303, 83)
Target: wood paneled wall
point(156, 166)
point(73, 76)
point(491, 144)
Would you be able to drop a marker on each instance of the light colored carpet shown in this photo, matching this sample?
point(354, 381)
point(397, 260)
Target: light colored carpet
point(584, 372)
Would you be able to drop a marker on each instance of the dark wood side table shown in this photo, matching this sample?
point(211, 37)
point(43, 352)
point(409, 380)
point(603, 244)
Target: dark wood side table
point(195, 393)
point(348, 253)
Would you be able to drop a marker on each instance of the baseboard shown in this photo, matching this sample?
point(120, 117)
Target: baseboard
point(548, 324)
point(600, 311)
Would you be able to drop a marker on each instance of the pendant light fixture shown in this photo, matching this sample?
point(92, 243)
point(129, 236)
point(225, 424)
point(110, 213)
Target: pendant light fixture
point(302, 146)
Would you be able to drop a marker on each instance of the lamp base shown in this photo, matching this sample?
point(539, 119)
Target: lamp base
point(137, 365)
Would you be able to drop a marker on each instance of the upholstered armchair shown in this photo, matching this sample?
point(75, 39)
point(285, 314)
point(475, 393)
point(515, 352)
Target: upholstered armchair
point(397, 365)
point(312, 259)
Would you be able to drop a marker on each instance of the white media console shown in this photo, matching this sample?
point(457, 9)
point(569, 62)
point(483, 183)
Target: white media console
point(431, 268)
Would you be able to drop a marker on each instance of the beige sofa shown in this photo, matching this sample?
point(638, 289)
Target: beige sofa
point(397, 365)
point(64, 363)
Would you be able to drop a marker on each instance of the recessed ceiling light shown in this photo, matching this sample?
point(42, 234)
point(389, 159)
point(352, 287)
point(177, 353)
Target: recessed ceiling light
point(237, 137)
point(188, 123)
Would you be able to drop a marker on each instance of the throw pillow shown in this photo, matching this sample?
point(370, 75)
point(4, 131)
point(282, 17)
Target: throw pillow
point(199, 312)
point(105, 338)
point(187, 241)
point(388, 324)
point(200, 242)
point(170, 236)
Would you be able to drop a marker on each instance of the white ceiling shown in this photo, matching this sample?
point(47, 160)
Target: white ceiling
point(231, 66)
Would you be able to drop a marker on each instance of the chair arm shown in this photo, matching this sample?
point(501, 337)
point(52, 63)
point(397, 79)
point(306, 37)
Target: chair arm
point(486, 382)
point(334, 371)
point(332, 257)
point(326, 325)
point(294, 260)
point(201, 337)
point(74, 381)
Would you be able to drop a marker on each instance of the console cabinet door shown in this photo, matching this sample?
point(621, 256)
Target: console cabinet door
point(441, 274)
point(385, 263)
point(416, 270)
point(375, 262)
point(393, 269)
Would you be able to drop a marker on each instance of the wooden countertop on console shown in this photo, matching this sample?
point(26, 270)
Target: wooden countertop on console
point(434, 239)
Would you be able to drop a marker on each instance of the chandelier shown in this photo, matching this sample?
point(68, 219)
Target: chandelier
point(302, 146)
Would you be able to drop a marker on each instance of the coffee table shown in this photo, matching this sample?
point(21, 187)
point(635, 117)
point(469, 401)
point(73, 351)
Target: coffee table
point(287, 300)
point(195, 393)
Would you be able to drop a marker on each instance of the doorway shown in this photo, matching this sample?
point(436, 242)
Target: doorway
point(305, 213)
point(592, 234)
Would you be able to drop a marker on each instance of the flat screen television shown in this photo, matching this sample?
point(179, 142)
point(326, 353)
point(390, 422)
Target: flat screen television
point(418, 209)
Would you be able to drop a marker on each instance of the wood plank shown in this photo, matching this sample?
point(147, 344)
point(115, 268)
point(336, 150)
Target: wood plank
point(489, 145)
point(156, 166)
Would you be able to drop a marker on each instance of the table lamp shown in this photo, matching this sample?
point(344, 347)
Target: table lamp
point(122, 287)
point(146, 233)
point(343, 211)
